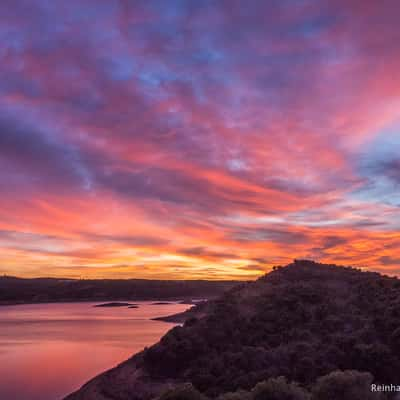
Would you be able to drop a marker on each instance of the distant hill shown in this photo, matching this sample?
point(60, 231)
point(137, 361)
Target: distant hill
point(18, 290)
point(304, 331)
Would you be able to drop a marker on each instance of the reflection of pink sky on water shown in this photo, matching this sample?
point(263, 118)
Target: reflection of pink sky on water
point(49, 350)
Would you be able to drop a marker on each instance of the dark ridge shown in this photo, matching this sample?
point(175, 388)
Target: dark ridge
point(306, 323)
point(47, 290)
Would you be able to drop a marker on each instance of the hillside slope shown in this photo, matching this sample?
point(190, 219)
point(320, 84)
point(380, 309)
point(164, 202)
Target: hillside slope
point(302, 321)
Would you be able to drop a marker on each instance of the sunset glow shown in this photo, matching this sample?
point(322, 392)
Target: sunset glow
point(198, 139)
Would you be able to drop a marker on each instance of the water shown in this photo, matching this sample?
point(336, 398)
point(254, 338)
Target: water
point(50, 350)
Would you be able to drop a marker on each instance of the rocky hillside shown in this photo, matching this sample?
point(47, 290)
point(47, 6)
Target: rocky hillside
point(291, 334)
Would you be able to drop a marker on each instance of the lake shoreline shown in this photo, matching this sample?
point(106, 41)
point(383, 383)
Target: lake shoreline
point(34, 335)
point(166, 301)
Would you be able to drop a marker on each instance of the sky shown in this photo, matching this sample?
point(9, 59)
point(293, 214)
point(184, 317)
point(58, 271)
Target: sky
point(198, 139)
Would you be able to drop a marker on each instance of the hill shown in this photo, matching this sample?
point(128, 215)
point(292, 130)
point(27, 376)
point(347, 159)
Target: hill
point(41, 290)
point(303, 331)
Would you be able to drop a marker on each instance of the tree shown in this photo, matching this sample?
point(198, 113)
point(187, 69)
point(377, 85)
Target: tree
point(238, 395)
point(184, 392)
point(344, 385)
point(279, 389)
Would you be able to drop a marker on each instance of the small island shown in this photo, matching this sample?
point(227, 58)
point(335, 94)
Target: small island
point(117, 304)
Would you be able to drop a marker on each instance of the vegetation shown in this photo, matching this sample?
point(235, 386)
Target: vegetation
point(303, 323)
point(338, 385)
point(17, 290)
point(184, 392)
point(348, 385)
point(306, 331)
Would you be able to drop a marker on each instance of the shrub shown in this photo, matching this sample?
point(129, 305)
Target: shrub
point(278, 389)
point(239, 395)
point(184, 392)
point(344, 385)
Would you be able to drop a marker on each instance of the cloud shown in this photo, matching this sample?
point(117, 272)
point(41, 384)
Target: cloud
point(136, 132)
point(388, 260)
point(202, 252)
point(391, 169)
point(35, 158)
point(278, 235)
point(127, 240)
point(253, 267)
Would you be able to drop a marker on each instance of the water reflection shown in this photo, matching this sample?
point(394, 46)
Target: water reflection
point(49, 350)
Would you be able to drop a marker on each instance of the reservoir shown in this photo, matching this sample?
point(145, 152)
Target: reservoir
point(50, 350)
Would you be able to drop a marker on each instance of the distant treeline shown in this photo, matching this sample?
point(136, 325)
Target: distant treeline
point(18, 290)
